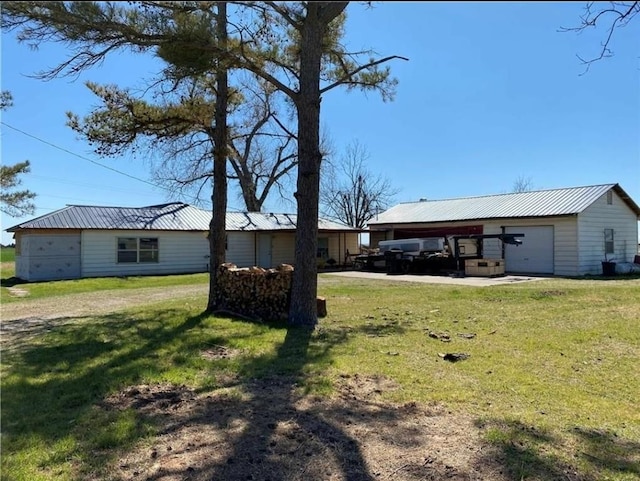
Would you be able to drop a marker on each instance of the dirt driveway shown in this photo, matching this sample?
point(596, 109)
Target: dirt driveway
point(25, 318)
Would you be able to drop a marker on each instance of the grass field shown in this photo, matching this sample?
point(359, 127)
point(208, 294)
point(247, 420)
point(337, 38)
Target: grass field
point(39, 290)
point(552, 376)
point(7, 264)
point(7, 254)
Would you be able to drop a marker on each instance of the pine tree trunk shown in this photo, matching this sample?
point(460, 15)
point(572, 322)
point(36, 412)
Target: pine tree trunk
point(304, 287)
point(217, 227)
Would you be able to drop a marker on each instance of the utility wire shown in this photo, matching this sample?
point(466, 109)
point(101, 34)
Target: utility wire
point(80, 156)
point(95, 162)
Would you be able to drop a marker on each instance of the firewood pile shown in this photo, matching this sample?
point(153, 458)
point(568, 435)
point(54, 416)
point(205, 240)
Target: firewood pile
point(254, 292)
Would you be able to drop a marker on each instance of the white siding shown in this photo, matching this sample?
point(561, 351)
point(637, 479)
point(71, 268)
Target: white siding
point(565, 244)
point(179, 252)
point(375, 237)
point(22, 260)
point(591, 224)
point(339, 243)
point(284, 245)
point(93, 253)
point(492, 248)
point(46, 256)
point(241, 248)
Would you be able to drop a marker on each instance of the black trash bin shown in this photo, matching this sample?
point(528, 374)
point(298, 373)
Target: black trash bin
point(393, 261)
point(608, 268)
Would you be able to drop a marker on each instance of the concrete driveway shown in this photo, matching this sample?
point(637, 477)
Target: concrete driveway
point(462, 281)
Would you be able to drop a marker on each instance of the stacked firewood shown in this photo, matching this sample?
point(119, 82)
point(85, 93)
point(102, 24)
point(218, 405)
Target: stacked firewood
point(256, 293)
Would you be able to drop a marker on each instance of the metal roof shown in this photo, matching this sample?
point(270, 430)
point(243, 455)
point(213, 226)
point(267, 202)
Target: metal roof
point(174, 217)
point(541, 203)
point(257, 221)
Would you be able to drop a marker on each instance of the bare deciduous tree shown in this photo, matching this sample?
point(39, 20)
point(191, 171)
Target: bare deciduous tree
point(613, 16)
point(351, 193)
point(522, 184)
point(176, 133)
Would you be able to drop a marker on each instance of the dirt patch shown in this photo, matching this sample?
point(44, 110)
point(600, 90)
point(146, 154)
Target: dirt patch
point(17, 292)
point(24, 319)
point(267, 430)
point(548, 293)
point(150, 399)
point(219, 352)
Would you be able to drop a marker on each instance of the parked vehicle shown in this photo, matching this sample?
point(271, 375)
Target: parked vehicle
point(430, 255)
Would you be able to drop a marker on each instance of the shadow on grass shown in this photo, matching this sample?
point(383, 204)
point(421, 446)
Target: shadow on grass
point(60, 386)
point(259, 425)
point(617, 277)
point(54, 387)
point(254, 453)
point(531, 453)
point(382, 329)
point(270, 389)
point(11, 281)
point(273, 431)
point(606, 450)
point(81, 364)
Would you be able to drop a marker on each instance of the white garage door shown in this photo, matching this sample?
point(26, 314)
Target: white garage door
point(535, 254)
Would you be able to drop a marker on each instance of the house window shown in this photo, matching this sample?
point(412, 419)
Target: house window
point(608, 241)
point(610, 197)
point(323, 248)
point(137, 249)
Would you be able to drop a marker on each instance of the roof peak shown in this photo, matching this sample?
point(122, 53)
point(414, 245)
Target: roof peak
point(537, 203)
point(423, 200)
point(156, 206)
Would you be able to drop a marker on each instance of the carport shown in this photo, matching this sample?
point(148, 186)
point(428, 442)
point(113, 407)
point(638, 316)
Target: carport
point(567, 232)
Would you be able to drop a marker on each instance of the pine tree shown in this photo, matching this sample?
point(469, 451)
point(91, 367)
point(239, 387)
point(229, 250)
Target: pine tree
point(295, 46)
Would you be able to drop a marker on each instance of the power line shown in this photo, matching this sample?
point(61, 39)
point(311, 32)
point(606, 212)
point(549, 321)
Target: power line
point(82, 157)
point(102, 165)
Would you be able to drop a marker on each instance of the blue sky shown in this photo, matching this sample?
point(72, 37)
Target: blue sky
point(491, 92)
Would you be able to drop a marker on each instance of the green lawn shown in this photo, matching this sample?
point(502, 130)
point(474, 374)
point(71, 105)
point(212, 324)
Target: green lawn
point(552, 376)
point(38, 290)
point(7, 254)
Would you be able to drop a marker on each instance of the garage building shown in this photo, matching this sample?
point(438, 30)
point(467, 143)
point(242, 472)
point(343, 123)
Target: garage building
point(567, 232)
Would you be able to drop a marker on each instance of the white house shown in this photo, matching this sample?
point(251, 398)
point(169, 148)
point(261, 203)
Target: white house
point(95, 241)
point(567, 231)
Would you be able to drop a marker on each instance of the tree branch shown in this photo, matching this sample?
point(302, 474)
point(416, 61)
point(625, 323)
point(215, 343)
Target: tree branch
point(623, 13)
point(346, 79)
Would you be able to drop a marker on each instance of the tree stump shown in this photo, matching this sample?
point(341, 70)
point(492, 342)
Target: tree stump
point(321, 303)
